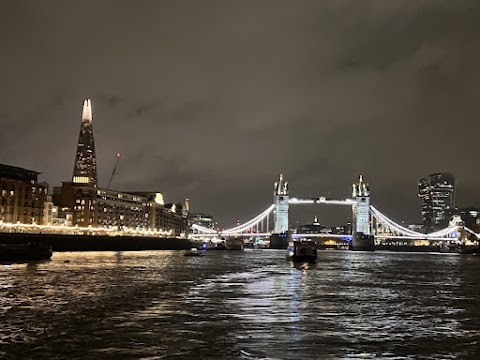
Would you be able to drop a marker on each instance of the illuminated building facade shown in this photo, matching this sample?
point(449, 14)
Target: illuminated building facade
point(97, 207)
point(314, 228)
point(48, 211)
point(437, 195)
point(470, 217)
point(22, 198)
point(161, 216)
point(85, 170)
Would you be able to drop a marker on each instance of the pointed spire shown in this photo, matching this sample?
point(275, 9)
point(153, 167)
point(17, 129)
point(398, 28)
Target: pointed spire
point(85, 169)
point(360, 189)
point(87, 111)
point(281, 186)
point(315, 220)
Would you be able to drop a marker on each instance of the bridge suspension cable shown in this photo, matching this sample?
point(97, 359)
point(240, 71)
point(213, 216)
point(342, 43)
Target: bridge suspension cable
point(204, 230)
point(238, 229)
point(250, 223)
point(392, 225)
point(472, 232)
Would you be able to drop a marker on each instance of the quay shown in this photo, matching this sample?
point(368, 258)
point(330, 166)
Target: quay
point(403, 245)
point(60, 242)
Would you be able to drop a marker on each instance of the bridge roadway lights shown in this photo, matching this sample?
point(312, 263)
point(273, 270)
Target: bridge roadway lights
point(362, 242)
point(280, 241)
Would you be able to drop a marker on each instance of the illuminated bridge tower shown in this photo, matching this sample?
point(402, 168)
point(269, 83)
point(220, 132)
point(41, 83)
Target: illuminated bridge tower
point(363, 238)
point(85, 170)
point(280, 236)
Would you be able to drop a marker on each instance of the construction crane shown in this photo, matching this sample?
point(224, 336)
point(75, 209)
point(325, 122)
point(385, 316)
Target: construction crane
point(114, 168)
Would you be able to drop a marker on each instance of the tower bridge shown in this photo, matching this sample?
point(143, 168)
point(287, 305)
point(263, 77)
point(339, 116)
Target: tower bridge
point(366, 222)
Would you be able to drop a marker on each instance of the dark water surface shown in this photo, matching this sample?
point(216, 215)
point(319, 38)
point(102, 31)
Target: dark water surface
point(241, 305)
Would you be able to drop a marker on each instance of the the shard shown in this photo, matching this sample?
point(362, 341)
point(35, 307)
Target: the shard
point(85, 170)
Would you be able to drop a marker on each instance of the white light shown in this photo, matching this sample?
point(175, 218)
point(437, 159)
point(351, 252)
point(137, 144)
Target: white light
point(87, 110)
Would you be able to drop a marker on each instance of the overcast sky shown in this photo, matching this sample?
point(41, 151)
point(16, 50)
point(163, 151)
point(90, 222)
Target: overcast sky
point(211, 100)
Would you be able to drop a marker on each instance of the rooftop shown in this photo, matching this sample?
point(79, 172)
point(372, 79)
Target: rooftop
point(17, 173)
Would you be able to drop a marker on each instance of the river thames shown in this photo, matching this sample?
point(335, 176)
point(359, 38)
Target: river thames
point(241, 305)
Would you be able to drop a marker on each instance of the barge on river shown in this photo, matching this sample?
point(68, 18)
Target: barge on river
point(25, 249)
point(302, 251)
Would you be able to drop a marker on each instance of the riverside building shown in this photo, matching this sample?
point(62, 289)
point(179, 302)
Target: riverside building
point(22, 198)
point(470, 217)
point(92, 206)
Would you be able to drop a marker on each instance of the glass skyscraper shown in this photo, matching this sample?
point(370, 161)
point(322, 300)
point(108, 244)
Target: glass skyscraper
point(437, 195)
point(85, 170)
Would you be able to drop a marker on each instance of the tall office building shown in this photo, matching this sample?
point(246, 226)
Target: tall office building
point(437, 194)
point(85, 170)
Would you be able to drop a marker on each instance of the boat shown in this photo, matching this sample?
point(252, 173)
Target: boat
point(234, 244)
point(302, 251)
point(25, 250)
point(217, 245)
point(193, 252)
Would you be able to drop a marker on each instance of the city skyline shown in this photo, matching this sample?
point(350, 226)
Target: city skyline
point(211, 117)
point(239, 179)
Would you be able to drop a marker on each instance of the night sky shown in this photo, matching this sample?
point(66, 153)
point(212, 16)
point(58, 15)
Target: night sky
point(211, 100)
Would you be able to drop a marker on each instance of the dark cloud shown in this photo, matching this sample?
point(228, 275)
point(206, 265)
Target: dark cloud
point(211, 100)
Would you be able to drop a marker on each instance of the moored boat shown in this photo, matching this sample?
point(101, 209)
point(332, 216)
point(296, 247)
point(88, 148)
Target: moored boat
point(25, 250)
point(302, 251)
point(234, 244)
point(193, 252)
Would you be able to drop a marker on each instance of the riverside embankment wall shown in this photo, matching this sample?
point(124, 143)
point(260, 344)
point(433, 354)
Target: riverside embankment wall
point(98, 243)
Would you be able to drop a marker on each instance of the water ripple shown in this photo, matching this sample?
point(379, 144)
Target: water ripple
point(240, 305)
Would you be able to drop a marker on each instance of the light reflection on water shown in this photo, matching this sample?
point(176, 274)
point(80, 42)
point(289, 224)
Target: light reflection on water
point(241, 305)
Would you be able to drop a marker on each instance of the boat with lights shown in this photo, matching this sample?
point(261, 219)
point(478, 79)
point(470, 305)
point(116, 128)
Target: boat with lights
point(193, 252)
point(302, 251)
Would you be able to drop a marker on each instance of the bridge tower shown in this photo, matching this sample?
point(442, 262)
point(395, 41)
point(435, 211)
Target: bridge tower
point(281, 235)
point(363, 238)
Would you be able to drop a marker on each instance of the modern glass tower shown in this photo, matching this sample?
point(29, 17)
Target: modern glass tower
point(437, 194)
point(85, 170)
